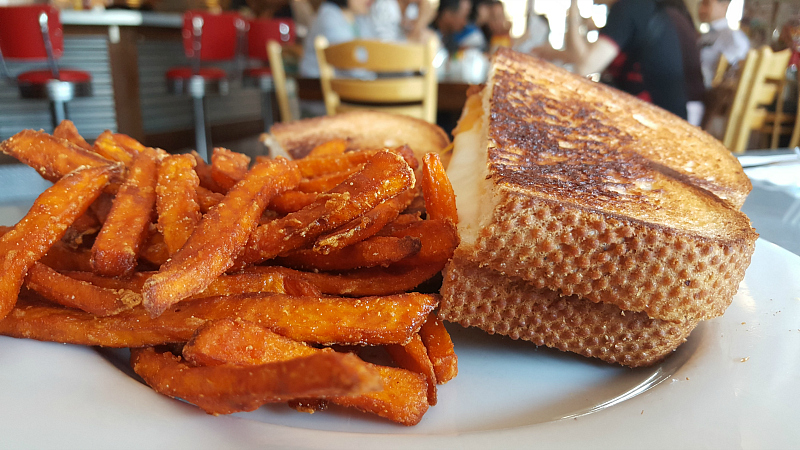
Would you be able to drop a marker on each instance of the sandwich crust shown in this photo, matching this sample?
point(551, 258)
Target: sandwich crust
point(362, 130)
point(496, 303)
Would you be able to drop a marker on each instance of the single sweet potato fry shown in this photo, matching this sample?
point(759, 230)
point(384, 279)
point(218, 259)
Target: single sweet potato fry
point(208, 199)
point(52, 157)
point(244, 283)
point(383, 177)
point(130, 144)
point(324, 320)
point(402, 399)
point(203, 170)
point(106, 146)
point(413, 356)
point(373, 252)
point(240, 342)
point(312, 167)
point(394, 279)
point(44, 225)
point(332, 147)
point(440, 349)
point(439, 240)
point(291, 201)
point(62, 256)
point(324, 183)
point(79, 294)
point(176, 200)
point(365, 226)
point(219, 237)
point(116, 247)
point(440, 199)
point(227, 167)
point(67, 130)
point(228, 389)
point(154, 249)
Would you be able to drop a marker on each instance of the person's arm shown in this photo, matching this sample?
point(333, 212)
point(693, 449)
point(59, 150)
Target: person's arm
point(587, 57)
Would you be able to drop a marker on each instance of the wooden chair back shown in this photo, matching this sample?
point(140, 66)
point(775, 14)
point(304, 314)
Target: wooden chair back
point(275, 54)
point(760, 85)
point(409, 86)
point(719, 74)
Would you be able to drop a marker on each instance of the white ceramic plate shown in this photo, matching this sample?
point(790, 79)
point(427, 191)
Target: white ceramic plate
point(734, 384)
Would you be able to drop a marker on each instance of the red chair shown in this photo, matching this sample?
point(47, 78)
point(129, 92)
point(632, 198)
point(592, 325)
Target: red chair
point(206, 37)
point(262, 31)
point(34, 33)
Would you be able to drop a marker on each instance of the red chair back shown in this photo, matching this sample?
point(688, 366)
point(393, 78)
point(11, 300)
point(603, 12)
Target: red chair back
point(219, 35)
point(21, 34)
point(264, 30)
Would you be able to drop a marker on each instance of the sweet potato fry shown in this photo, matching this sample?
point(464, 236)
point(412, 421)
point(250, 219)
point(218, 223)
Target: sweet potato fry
point(52, 157)
point(207, 199)
point(79, 294)
point(238, 283)
point(332, 147)
point(402, 222)
point(44, 225)
point(369, 281)
point(62, 256)
point(219, 237)
point(66, 130)
point(86, 224)
point(385, 176)
point(130, 144)
point(324, 183)
point(154, 249)
point(291, 201)
point(402, 399)
point(227, 167)
point(106, 146)
point(228, 389)
point(176, 200)
point(440, 199)
point(439, 241)
point(312, 167)
point(413, 356)
point(440, 349)
point(240, 342)
point(365, 226)
point(203, 170)
point(324, 320)
point(116, 247)
point(373, 252)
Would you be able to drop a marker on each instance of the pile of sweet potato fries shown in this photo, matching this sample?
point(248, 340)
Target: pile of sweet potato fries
point(237, 284)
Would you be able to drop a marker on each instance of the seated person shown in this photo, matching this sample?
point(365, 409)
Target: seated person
point(402, 20)
point(339, 21)
point(720, 40)
point(642, 43)
point(455, 31)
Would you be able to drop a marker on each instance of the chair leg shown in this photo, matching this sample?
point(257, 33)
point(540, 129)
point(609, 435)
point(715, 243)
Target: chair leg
point(201, 137)
point(59, 112)
point(266, 110)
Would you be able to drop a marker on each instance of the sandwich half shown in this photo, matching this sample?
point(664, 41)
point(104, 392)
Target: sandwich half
point(590, 221)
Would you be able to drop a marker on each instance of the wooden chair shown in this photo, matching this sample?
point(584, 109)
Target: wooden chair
point(275, 52)
point(760, 85)
point(414, 94)
point(719, 74)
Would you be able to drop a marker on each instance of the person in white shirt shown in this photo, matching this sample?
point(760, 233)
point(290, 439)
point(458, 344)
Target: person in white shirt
point(720, 40)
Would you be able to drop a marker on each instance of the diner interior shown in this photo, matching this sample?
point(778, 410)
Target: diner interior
point(198, 74)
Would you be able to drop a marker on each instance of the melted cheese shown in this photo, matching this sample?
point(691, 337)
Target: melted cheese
point(468, 170)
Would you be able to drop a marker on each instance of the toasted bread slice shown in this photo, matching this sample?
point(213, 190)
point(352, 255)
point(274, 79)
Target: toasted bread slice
point(362, 129)
point(584, 192)
point(483, 298)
